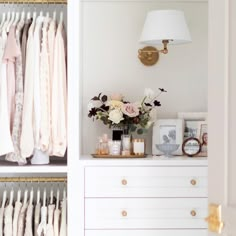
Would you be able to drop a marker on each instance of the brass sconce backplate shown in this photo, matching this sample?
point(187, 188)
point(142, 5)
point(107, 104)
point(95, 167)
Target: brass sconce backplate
point(148, 55)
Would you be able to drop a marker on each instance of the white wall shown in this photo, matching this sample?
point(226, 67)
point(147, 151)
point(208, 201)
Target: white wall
point(111, 31)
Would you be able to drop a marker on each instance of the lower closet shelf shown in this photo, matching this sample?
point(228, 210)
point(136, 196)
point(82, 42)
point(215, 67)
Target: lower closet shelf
point(146, 232)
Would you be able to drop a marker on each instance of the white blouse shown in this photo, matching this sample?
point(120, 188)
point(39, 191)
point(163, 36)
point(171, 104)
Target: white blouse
point(59, 95)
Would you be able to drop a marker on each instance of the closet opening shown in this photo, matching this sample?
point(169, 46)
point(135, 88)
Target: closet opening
point(33, 82)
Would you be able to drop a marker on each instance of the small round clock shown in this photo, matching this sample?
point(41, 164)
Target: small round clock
point(191, 147)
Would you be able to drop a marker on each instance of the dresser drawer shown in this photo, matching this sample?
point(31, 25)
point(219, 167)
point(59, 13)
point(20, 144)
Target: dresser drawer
point(146, 232)
point(145, 213)
point(146, 182)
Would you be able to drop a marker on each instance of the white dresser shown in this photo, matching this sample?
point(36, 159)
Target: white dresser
point(145, 197)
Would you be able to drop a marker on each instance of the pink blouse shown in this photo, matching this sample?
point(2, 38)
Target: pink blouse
point(11, 52)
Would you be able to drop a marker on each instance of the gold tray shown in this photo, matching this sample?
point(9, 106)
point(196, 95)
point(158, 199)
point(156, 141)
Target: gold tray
point(118, 156)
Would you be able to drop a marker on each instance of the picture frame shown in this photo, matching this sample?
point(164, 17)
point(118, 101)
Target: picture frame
point(192, 121)
point(203, 137)
point(169, 131)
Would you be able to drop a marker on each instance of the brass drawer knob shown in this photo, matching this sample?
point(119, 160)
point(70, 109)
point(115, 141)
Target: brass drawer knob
point(193, 182)
point(124, 182)
point(193, 213)
point(124, 213)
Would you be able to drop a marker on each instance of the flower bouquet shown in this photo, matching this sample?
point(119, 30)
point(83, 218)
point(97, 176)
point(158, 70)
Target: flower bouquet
point(116, 112)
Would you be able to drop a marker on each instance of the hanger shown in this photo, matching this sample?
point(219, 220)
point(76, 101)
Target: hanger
point(28, 15)
point(11, 21)
point(25, 196)
point(58, 199)
point(38, 196)
point(55, 15)
point(22, 19)
point(4, 198)
point(18, 195)
point(7, 21)
point(61, 17)
point(11, 197)
point(44, 197)
point(17, 18)
point(64, 194)
point(3, 19)
point(31, 196)
point(51, 196)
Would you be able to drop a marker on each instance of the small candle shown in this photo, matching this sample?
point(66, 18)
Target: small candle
point(138, 146)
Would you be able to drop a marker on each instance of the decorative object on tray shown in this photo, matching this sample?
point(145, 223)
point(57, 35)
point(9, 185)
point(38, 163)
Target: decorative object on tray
point(118, 113)
point(167, 131)
point(196, 127)
point(167, 148)
point(191, 147)
point(192, 121)
point(115, 148)
point(203, 137)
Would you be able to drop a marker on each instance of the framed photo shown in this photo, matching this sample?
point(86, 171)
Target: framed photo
point(167, 131)
point(203, 137)
point(192, 121)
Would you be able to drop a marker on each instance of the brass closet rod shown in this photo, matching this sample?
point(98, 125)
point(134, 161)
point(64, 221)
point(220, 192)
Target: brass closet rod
point(34, 1)
point(33, 179)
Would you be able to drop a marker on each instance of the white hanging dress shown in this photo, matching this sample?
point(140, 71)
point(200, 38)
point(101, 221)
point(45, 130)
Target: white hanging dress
point(6, 142)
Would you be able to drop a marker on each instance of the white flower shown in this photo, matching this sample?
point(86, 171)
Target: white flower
point(149, 93)
point(116, 116)
point(94, 104)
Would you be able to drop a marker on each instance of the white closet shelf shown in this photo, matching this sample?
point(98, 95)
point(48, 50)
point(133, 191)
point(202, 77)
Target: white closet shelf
point(5, 167)
point(147, 161)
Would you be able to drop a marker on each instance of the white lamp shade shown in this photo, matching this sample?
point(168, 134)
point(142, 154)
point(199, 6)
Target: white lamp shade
point(165, 25)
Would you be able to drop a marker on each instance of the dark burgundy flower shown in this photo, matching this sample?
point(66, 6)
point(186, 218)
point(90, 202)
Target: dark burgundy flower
point(104, 98)
point(157, 103)
point(162, 90)
point(104, 107)
point(92, 112)
point(148, 104)
point(136, 120)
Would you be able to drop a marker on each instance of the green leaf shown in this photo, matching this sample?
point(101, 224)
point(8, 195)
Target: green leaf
point(133, 128)
point(140, 131)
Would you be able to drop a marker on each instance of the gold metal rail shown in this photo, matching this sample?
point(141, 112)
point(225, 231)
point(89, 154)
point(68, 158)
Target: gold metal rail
point(33, 2)
point(33, 179)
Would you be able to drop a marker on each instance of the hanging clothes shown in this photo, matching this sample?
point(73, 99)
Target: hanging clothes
point(42, 228)
point(12, 51)
point(29, 219)
point(37, 218)
point(59, 95)
point(2, 209)
point(50, 229)
point(24, 40)
point(56, 225)
point(17, 210)
point(45, 89)
point(6, 142)
point(27, 134)
point(19, 99)
point(8, 220)
point(21, 220)
point(63, 227)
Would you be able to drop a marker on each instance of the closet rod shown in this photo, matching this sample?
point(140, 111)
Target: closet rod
point(33, 179)
point(34, 1)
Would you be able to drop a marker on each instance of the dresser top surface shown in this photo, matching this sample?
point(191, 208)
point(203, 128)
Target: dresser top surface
point(147, 161)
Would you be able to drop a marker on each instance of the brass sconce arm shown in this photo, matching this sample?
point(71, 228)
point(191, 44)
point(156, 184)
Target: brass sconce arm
point(150, 55)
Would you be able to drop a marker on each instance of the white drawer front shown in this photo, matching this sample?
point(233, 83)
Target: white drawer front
point(149, 213)
point(146, 182)
point(146, 232)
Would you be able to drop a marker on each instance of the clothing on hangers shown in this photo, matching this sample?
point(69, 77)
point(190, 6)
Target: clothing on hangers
point(33, 85)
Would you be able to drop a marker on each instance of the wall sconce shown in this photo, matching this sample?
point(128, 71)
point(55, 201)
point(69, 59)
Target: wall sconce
point(162, 27)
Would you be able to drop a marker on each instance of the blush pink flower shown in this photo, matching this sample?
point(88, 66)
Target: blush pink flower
point(130, 109)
